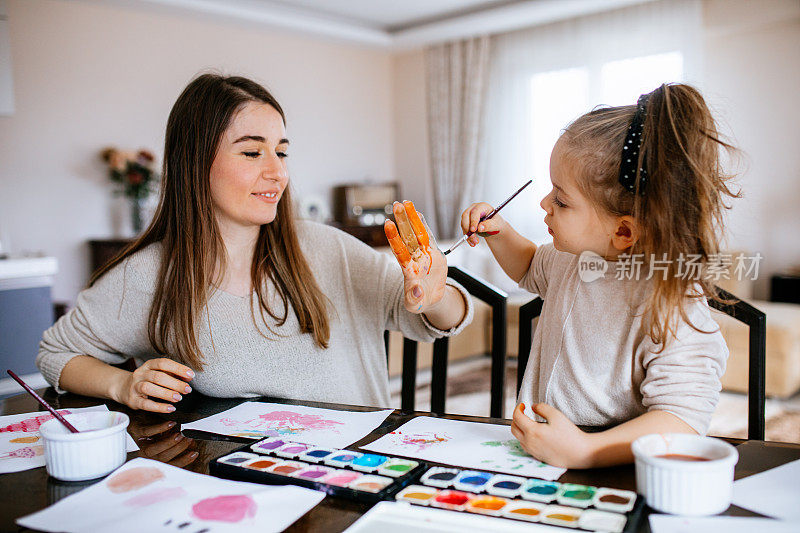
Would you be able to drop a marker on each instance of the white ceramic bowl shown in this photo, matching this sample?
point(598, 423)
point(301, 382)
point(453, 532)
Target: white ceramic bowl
point(692, 488)
point(99, 448)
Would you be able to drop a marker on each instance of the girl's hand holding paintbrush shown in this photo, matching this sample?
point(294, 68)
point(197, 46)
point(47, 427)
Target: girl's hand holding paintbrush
point(473, 218)
point(473, 221)
point(512, 251)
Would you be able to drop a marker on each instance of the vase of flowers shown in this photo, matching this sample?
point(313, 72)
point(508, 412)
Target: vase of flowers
point(134, 173)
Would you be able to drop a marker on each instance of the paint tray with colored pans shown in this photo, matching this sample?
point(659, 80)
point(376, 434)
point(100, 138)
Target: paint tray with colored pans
point(526, 499)
point(349, 474)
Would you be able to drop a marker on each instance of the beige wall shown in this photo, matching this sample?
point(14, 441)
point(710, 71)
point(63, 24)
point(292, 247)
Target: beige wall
point(752, 78)
point(87, 75)
point(411, 149)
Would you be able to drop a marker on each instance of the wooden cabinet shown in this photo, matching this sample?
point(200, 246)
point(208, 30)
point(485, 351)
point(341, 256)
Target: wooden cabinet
point(101, 251)
point(371, 235)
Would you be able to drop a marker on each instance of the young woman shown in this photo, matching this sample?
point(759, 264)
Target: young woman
point(226, 289)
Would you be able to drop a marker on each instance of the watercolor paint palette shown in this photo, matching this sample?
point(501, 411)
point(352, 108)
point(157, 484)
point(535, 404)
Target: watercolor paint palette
point(349, 474)
point(528, 499)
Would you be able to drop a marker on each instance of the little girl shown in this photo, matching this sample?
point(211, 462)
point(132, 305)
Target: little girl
point(632, 349)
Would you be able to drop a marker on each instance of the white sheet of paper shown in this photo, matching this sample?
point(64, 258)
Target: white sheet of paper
point(774, 493)
point(465, 444)
point(310, 425)
point(146, 495)
point(662, 523)
point(21, 445)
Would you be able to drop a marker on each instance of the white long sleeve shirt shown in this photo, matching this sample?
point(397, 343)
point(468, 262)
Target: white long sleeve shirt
point(593, 359)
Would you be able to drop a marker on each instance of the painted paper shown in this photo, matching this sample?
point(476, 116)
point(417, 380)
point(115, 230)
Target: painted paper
point(146, 495)
point(22, 446)
point(465, 444)
point(310, 425)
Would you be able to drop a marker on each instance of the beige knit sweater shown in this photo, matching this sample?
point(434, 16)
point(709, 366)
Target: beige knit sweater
point(593, 359)
point(109, 322)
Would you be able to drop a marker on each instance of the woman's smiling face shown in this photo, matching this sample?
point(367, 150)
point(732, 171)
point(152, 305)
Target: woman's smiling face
point(249, 175)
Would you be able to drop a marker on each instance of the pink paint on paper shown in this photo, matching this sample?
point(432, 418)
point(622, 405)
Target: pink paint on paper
point(421, 440)
point(278, 423)
point(156, 496)
point(28, 452)
point(30, 424)
point(233, 508)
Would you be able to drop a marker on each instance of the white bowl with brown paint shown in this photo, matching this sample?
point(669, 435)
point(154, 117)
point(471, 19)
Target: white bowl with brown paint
point(685, 474)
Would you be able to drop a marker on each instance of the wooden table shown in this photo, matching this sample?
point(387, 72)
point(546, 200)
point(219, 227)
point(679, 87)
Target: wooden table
point(32, 490)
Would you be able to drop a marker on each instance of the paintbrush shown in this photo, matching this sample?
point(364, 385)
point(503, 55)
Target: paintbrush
point(487, 216)
point(44, 403)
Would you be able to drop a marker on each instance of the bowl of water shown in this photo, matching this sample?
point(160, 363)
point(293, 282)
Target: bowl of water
point(99, 448)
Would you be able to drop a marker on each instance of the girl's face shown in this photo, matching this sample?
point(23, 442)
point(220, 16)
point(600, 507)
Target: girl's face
point(248, 175)
point(574, 223)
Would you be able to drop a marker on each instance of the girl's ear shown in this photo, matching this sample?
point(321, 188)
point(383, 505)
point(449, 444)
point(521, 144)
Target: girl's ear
point(625, 234)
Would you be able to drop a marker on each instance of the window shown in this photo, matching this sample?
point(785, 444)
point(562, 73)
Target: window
point(559, 97)
point(621, 82)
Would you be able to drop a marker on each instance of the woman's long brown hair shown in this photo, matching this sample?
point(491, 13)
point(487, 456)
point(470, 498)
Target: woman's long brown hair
point(681, 211)
point(191, 245)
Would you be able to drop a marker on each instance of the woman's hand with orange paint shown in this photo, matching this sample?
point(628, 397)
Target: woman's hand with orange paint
point(557, 441)
point(424, 266)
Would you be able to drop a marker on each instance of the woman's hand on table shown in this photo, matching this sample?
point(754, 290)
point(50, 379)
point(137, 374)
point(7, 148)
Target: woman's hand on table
point(424, 266)
point(157, 379)
point(163, 443)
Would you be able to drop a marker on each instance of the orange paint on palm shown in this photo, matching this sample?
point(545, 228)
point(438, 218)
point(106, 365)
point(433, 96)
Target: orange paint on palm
point(416, 224)
point(405, 229)
point(419, 230)
point(398, 247)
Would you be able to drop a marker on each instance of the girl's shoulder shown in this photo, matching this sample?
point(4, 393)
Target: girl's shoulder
point(697, 309)
point(547, 253)
point(549, 262)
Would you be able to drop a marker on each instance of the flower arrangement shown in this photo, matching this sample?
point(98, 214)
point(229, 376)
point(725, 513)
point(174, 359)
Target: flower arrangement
point(133, 170)
point(135, 173)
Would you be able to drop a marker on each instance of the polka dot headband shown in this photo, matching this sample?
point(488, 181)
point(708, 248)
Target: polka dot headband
point(631, 148)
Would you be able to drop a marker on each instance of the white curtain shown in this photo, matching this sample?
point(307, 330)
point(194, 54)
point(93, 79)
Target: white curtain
point(582, 63)
point(456, 81)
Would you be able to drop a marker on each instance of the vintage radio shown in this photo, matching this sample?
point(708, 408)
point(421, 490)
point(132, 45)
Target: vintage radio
point(364, 205)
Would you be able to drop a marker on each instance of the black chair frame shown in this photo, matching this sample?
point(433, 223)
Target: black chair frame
point(756, 321)
point(497, 300)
